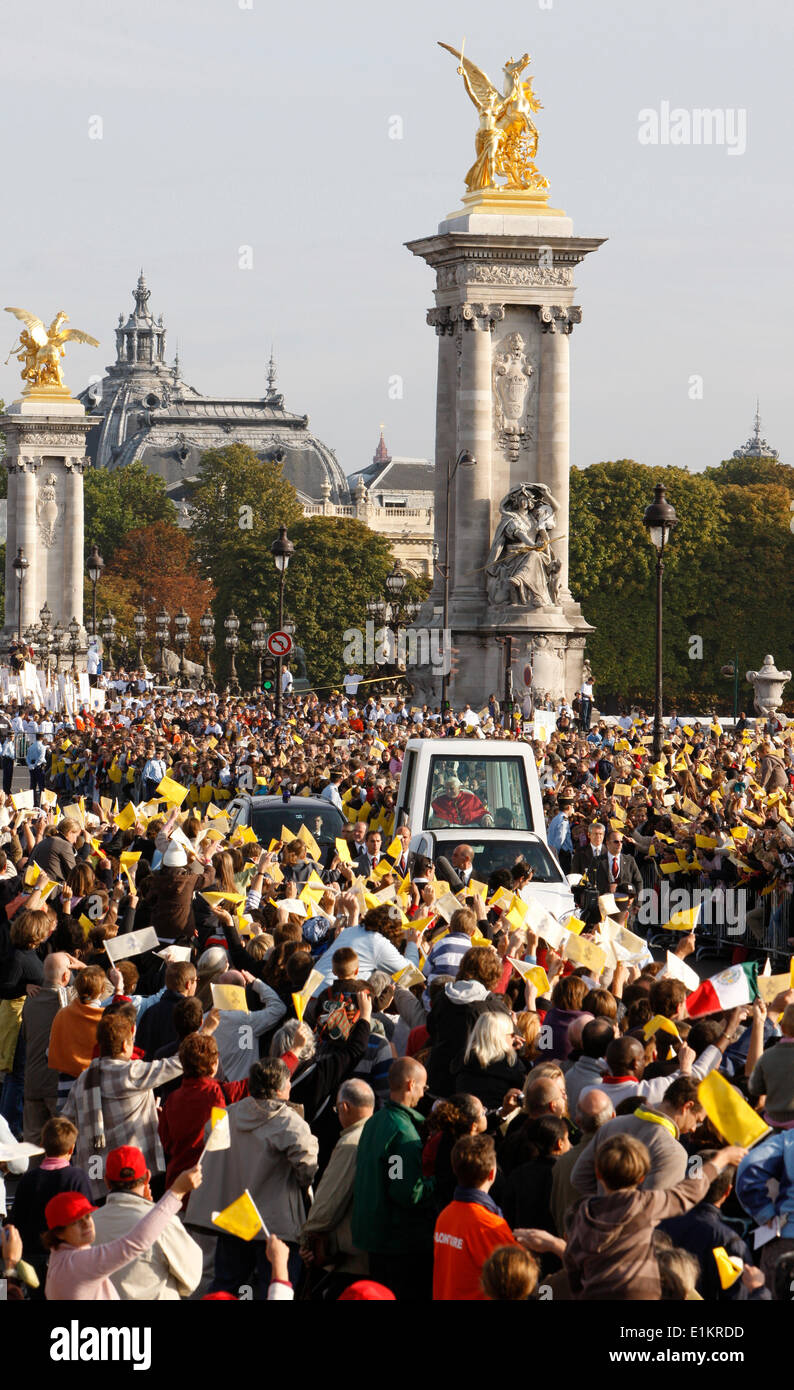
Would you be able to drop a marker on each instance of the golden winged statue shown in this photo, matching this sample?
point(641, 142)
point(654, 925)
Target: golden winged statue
point(40, 349)
point(507, 139)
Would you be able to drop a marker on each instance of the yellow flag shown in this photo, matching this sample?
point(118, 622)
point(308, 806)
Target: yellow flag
point(583, 952)
point(308, 839)
point(86, 924)
point(574, 924)
point(172, 792)
point(343, 850)
point(660, 1023)
point(129, 857)
point(686, 920)
point(729, 1112)
point(729, 1267)
point(241, 1219)
point(286, 835)
point(299, 1004)
point(229, 997)
point(125, 819)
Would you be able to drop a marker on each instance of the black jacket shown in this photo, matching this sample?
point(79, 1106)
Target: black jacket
point(449, 1024)
point(489, 1084)
point(629, 873)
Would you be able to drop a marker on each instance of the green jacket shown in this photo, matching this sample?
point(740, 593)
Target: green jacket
point(393, 1209)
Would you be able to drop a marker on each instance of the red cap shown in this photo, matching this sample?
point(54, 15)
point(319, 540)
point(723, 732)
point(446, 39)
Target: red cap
point(366, 1290)
point(125, 1165)
point(66, 1208)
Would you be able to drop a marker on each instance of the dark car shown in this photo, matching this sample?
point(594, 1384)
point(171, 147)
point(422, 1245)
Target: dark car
point(267, 814)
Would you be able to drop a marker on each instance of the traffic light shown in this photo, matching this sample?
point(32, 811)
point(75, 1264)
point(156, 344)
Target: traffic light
point(268, 673)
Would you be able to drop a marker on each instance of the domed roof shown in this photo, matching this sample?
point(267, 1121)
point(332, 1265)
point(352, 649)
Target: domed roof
point(146, 411)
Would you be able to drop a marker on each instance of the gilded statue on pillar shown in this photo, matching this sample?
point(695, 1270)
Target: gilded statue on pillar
point(521, 568)
point(506, 143)
point(40, 349)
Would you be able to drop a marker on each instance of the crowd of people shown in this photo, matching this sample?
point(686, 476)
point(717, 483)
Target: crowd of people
point(236, 1069)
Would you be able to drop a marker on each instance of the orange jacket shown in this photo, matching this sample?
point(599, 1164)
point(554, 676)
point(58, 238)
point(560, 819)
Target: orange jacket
point(73, 1037)
point(466, 1234)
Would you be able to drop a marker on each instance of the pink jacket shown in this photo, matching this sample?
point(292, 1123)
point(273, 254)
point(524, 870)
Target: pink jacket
point(82, 1273)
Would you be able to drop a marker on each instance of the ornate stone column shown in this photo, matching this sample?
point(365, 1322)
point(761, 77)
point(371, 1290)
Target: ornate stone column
point(443, 322)
point(473, 485)
point(25, 506)
point(554, 417)
point(74, 542)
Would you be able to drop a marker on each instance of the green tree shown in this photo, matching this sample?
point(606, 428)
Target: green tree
point(338, 564)
point(726, 577)
point(238, 506)
point(122, 500)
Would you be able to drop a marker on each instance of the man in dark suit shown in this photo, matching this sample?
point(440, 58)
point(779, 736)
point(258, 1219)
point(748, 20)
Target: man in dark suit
point(593, 853)
point(370, 856)
point(616, 867)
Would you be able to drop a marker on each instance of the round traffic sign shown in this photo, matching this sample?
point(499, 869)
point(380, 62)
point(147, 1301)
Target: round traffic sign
point(279, 643)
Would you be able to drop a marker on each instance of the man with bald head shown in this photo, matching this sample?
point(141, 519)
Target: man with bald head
point(40, 1094)
point(592, 1111)
point(625, 1059)
point(658, 1126)
point(393, 1208)
point(544, 1096)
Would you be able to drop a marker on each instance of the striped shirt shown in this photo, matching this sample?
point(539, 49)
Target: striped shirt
point(446, 956)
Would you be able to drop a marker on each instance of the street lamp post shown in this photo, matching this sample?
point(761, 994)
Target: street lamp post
point(182, 625)
point(660, 519)
point(464, 460)
point(74, 643)
point(232, 624)
point(108, 626)
point(282, 551)
point(258, 641)
point(20, 566)
point(124, 643)
point(95, 567)
point(140, 635)
point(58, 643)
point(162, 623)
point(207, 642)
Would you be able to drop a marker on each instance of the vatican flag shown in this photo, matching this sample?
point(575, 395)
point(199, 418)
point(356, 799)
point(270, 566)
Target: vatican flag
point(729, 1267)
point(684, 921)
point(241, 1219)
point(729, 1112)
point(220, 1135)
point(172, 792)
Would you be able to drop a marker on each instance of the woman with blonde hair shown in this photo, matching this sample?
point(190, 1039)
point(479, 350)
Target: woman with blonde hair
point(490, 1065)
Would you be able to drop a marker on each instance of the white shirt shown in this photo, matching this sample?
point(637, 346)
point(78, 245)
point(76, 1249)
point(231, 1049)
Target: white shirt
point(351, 683)
point(286, 682)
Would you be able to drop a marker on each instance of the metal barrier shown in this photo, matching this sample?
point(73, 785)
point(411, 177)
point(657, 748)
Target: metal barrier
point(20, 747)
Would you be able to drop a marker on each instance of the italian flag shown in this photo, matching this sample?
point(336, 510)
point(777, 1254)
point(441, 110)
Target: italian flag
point(734, 986)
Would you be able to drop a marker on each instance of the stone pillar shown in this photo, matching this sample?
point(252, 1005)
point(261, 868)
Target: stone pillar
point(473, 485)
point(444, 324)
point(74, 545)
point(26, 537)
point(45, 458)
point(554, 418)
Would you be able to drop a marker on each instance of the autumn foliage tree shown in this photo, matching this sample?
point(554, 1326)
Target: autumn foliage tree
point(154, 567)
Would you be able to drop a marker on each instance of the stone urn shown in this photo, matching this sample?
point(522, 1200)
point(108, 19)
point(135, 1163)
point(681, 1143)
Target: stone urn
point(768, 685)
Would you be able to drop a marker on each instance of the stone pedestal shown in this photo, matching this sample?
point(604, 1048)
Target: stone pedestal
point(45, 458)
point(504, 314)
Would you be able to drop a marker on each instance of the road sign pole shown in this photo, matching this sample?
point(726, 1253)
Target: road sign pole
point(279, 658)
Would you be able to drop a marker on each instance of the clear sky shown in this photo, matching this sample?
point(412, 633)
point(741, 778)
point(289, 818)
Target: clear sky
point(235, 123)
